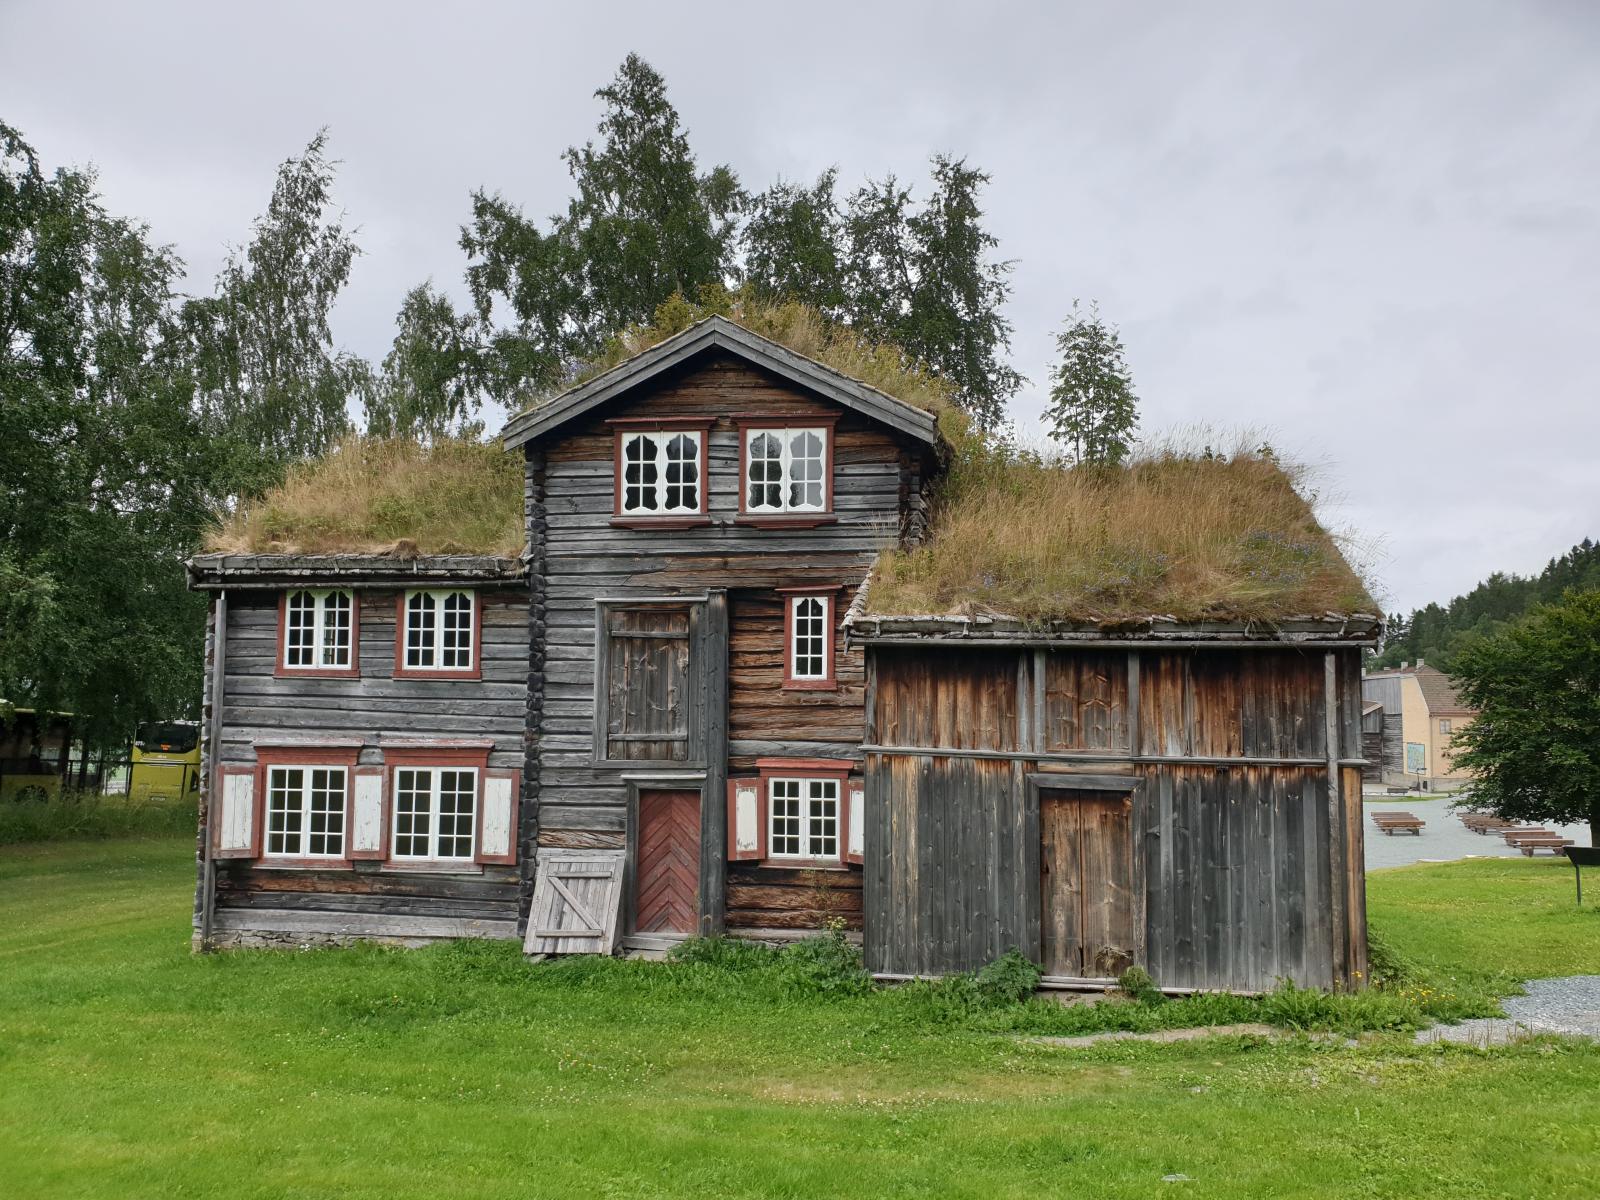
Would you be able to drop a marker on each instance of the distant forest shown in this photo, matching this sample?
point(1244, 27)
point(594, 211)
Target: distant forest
point(1436, 633)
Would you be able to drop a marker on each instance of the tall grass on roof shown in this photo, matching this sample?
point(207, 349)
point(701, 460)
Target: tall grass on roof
point(804, 330)
point(1184, 532)
point(387, 496)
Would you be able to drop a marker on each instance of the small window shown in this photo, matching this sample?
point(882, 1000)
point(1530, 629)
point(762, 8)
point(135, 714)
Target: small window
point(438, 632)
point(317, 628)
point(1444, 726)
point(434, 809)
point(804, 815)
point(305, 812)
point(660, 473)
point(808, 651)
point(786, 470)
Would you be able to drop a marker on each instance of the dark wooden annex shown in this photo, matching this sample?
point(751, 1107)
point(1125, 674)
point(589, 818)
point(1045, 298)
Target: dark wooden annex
point(1182, 798)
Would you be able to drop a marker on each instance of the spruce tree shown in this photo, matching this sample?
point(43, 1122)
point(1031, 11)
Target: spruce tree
point(1093, 408)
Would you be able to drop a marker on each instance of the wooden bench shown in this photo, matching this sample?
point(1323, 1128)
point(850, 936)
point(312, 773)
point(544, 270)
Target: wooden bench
point(1484, 823)
point(1397, 791)
point(1390, 822)
point(1513, 836)
point(1556, 845)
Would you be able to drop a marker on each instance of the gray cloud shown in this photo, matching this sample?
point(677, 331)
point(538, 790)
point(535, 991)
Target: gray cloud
point(1369, 229)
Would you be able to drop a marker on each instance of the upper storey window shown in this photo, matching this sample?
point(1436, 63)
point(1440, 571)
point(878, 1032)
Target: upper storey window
point(318, 631)
point(438, 634)
point(661, 473)
point(787, 469)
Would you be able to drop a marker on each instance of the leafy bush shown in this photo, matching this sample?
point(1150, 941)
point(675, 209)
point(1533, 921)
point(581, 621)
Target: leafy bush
point(1137, 983)
point(1009, 979)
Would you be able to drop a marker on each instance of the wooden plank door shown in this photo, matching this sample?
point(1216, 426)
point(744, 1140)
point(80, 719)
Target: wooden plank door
point(1086, 883)
point(667, 873)
point(577, 897)
point(646, 684)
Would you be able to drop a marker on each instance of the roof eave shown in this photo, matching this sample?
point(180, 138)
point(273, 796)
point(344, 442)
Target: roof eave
point(720, 333)
point(1330, 631)
point(210, 572)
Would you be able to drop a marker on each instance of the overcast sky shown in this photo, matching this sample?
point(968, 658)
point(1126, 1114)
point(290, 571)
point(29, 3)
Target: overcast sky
point(1372, 231)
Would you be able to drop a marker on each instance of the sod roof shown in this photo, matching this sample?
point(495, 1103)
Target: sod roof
point(386, 497)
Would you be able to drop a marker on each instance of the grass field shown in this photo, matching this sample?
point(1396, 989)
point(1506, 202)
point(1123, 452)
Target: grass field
point(130, 1068)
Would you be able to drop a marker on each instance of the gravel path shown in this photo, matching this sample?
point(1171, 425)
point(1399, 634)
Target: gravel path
point(1443, 839)
point(1569, 1006)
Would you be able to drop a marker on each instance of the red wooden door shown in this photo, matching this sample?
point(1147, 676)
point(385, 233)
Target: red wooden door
point(667, 868)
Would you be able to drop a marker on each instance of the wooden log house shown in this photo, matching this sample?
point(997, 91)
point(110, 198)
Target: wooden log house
point(707, 727)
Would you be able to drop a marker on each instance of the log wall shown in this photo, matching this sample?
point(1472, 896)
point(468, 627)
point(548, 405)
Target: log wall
point(877, 480)
point(1244, 770)
point(257, 904)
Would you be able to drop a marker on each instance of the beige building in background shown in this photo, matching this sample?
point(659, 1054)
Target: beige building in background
point(1431, 715)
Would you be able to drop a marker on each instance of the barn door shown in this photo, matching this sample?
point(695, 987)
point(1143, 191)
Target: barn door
point(643, 685)
point(666, 885)
point(1086, 883)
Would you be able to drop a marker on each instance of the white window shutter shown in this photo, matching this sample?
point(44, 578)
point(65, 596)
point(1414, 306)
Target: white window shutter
point(235, 813)
point(366, 814)
point(497, 817)
point(856, 818)
point(747, 827)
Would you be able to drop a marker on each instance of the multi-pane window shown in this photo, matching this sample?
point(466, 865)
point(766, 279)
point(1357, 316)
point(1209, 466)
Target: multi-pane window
point(786, 470)
point(434, 809)
point(1444, 726)
point(661, 473)
point(438, 633)
point(804, 816)
point(305, 812)
point(317, 628)
point(808, 638)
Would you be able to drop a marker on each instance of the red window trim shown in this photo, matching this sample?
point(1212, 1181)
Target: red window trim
point(401, 671)
point(445, 755)
point(830, 679)
point(307, 755)
point(744, 422)
point(353, 671)
point(621, 427)
point(804, 768)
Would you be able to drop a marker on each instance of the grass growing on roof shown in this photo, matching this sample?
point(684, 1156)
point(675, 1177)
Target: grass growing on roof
point(805, 331)
point(379, 496)
point(1188, 533)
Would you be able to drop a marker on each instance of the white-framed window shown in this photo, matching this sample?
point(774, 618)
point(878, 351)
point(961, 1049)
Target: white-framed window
point(803, 817)
point(1444, 726)
point(439, 631)
point(810, 639)
point(786, 470)
point(305, 812)
point(435, 811)
point(660, 472)
point(317, 629)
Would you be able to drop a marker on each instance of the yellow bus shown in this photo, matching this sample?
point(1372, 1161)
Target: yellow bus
point(34, 750)
point(166, 762)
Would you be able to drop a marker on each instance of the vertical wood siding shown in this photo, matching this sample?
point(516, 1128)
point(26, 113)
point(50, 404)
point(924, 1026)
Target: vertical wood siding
point(1243, 878)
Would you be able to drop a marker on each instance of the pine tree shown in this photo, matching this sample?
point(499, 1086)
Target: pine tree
point(1093, 408)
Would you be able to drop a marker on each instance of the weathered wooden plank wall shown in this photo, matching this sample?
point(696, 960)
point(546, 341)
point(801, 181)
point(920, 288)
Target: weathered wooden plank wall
point(366, 900)
point(1246, 879)
point(586, 558)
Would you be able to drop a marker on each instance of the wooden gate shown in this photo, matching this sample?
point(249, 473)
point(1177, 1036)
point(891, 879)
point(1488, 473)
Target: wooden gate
point(667, 871)
point(1089, 923)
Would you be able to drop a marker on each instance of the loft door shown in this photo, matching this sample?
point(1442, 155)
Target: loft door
point(644, 695)
point(1086, 883)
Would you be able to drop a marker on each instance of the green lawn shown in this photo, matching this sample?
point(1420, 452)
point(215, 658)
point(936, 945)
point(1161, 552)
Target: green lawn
point(130, 1068)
